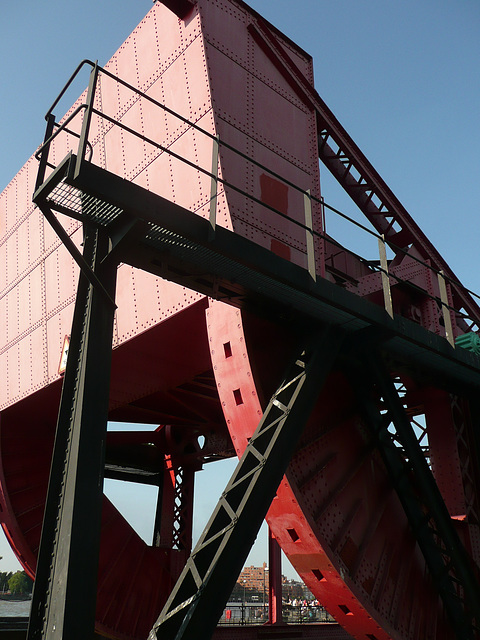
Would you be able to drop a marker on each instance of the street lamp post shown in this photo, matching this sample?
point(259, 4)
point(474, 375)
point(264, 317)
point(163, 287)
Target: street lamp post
point(244, 603)
point(264, 616)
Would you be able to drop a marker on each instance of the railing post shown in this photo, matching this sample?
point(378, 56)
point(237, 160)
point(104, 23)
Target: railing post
point(213, 189)
point(447, 320)
point(323, 243)
point(387, 293)
point(82, 145)
point(307, 199)
point(42, 167)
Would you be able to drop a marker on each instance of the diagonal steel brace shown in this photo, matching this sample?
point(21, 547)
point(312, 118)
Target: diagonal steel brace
point(201, 592)
point(419, 498)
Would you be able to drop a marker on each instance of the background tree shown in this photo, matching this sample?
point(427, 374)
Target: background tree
point(4, 578)
point(20, 583)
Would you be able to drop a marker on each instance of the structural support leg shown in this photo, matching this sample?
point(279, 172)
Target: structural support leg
point(64, 598)
point(274, 580)
point(201, 592)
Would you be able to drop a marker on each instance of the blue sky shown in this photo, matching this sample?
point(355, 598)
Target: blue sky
point(402, 77)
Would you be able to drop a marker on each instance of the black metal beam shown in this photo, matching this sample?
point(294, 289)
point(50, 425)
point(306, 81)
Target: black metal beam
point(64, 597)
point(132, 475)
point(201, 592)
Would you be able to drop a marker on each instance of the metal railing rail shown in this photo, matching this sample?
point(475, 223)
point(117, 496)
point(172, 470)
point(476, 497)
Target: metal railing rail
point(62, 127)
point(89, 110)
point(256, 613)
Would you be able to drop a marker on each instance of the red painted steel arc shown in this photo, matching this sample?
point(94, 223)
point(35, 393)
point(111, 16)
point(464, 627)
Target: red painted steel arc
point(134, 578)
point(335, 515)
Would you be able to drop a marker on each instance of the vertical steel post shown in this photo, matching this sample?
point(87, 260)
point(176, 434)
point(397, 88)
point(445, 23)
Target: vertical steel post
point(64, 598)
point(87, 118)
point(387, 293)
point(174, 516)
point(447, 320)
point(274, 580)
point(213, 189)
point(42, 167)
point(163, 527)
point(322, 241)
point(307, 199)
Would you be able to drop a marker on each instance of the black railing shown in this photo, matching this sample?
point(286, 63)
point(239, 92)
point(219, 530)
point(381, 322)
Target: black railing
point(253, 613)
point(89, 110)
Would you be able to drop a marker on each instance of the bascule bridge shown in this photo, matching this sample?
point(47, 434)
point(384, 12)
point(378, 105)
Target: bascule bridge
point(177, 216)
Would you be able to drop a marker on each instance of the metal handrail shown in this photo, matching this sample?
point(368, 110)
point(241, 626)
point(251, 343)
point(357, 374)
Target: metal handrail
point(392, 245)
point(321, 235)
point(61, 127)
point(67, 85)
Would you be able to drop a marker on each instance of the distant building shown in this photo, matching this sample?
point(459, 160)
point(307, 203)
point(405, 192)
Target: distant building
point(255, 578)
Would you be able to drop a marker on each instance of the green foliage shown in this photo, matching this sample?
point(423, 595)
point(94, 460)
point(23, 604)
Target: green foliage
point(4, 578)
point(20, 583)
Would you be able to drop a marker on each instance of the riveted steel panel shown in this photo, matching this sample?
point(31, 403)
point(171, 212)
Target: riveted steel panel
point(246, 90)
point(159, 52)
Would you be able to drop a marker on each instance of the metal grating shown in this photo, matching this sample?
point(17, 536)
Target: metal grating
point(64, 198)
point(203, 261)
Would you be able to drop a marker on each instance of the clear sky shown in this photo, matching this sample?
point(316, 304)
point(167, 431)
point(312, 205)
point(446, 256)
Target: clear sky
point(402, 77)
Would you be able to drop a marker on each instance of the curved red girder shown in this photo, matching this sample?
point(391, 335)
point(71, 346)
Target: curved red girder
point(134, 578)
point(336, 514)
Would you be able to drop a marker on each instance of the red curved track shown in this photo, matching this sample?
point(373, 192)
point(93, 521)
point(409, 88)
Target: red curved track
point(206, 368)
point(336, 515)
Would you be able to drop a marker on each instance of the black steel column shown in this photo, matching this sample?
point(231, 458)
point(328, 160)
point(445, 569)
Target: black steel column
point(64, 597)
